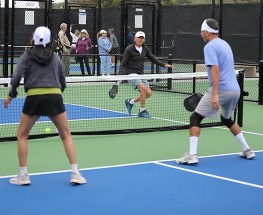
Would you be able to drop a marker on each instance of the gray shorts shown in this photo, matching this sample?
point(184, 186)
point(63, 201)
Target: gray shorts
point(135, 82)
point(227, 101)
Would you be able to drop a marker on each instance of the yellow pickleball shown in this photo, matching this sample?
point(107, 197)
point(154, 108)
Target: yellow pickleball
point(47, 130)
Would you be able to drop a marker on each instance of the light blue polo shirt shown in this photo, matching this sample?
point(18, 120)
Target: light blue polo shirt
point(217, 52)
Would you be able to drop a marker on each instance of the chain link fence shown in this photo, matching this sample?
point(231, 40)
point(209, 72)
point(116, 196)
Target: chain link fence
point(170, 29)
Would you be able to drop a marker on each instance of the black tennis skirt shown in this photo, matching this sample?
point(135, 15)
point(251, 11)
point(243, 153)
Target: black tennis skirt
point(44, 105)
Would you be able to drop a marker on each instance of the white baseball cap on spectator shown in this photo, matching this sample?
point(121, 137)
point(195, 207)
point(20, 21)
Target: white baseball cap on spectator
point(103, 32)
point(140, 34)
point(84, 31)
point(42, 36)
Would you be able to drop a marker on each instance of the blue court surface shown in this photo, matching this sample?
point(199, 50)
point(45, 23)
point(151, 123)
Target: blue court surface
point(74, 112)
point(219, 185)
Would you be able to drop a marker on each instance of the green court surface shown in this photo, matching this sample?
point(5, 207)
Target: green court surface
point(47, 154)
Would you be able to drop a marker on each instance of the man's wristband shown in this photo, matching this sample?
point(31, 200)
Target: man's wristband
point(9, 97)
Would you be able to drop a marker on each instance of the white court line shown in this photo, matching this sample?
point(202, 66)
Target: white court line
point(247, 132)
point(122, 165)
point(211, 175)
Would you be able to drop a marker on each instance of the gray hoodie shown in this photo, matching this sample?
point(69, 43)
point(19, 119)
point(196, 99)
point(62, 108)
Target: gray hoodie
point(41, 68)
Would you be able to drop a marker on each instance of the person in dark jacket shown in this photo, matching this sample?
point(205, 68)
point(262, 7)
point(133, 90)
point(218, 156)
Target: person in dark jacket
point(133, 63)
point(44, 82)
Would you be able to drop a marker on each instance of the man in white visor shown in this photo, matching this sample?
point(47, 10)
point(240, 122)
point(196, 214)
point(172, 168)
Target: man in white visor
point(223, 92)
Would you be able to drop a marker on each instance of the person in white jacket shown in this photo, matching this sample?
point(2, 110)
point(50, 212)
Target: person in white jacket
point(104, 47)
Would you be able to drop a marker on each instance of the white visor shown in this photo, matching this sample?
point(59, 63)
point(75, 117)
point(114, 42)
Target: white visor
point(205, 27)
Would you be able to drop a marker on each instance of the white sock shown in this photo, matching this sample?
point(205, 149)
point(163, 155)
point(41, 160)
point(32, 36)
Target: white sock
point(132, 101)
point(23, 170)
point(193, 145)
point(75, 168)
point(242, 141)
point(142, 109)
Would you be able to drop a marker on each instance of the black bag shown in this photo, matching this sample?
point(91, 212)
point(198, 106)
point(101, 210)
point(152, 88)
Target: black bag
point(56, 44)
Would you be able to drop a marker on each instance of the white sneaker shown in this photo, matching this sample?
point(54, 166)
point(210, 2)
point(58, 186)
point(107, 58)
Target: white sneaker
point(20, 180)
point(76, 178)
point(187, 159)
point(249, 154)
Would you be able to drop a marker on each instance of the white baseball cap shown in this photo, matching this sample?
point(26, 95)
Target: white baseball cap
point(103, 32)
point(84, 31)
point(140, 34)
point(42, 36)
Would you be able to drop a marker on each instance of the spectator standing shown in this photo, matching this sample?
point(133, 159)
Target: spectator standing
point(82, 50)
point(66, 47)
point(75, 36)
point(115, 46)
point(104, 46)
point(130, 36)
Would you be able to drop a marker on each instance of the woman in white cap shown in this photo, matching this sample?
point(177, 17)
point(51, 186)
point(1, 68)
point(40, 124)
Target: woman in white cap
point(82, 50)
point(104, 46)
point(44, 83)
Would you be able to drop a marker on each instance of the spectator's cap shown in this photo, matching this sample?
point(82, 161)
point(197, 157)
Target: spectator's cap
point(140, 34)
point(41, 36)
point(206, 27)
point(111, 29)
point(84, 31)
point(103, 32)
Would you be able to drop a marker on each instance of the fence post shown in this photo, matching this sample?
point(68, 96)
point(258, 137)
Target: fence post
point(260, 83)
point(169, 86)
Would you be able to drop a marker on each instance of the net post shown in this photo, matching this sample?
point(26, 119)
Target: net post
point(194, 79)
point(169, 86)
point(260, 83)
point(241, 99)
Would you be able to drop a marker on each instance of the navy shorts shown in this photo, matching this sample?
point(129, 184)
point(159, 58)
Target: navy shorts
point(44, 105)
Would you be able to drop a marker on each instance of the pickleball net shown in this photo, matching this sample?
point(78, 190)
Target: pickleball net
point(90, 110)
